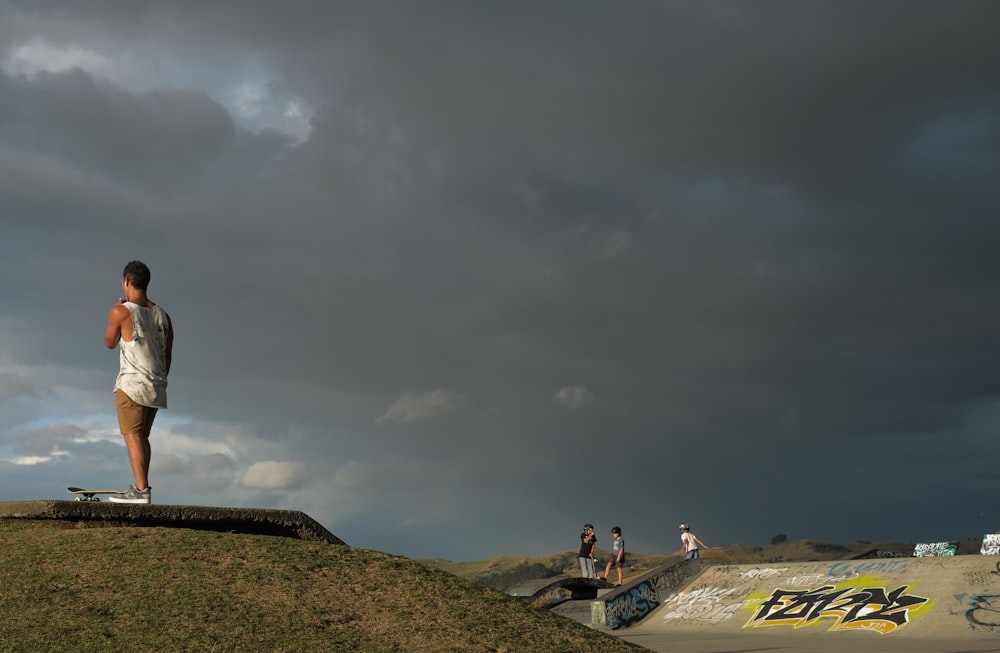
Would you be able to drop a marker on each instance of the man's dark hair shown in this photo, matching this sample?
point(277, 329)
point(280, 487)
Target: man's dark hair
point(137, 274)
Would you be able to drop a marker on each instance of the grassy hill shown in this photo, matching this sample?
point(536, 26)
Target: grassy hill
point(64, 588)
point(67, 588)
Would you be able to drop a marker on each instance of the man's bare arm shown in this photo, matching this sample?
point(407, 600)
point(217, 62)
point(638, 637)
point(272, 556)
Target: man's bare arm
point(113, 333)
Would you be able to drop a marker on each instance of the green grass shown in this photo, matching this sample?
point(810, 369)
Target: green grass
point(171, 589)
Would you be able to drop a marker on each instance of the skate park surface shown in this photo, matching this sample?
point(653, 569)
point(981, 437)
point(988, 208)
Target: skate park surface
point(940, 604)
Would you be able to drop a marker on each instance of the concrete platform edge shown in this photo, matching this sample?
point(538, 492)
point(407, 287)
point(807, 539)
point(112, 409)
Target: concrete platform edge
point(258, 521)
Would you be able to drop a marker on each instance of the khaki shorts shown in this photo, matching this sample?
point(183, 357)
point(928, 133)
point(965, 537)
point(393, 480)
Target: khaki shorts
point(133, 418)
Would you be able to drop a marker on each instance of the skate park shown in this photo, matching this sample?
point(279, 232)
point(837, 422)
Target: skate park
point(934, 601)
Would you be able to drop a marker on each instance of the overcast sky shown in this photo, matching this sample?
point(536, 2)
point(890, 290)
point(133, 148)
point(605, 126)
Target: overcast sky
point(454, 278)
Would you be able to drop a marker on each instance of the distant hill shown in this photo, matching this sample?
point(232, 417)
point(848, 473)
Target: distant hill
point(506, 571)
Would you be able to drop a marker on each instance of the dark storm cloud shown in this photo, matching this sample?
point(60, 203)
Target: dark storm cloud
point(695, 251)
point(148, 139)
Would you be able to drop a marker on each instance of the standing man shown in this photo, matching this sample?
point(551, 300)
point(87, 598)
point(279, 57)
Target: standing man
point(617, 555)
point(146, 338)
point(587, 541)
point(689, 543)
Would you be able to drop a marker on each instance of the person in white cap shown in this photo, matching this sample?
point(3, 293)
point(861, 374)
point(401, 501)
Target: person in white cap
point(689, 543)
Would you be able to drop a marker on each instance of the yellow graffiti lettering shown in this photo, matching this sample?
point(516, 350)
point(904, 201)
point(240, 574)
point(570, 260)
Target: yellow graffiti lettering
point(863, 603)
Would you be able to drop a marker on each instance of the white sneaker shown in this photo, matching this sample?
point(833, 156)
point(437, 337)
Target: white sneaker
point(132, 495)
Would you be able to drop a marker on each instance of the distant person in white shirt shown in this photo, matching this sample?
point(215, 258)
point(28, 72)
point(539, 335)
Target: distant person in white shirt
point(689, 543)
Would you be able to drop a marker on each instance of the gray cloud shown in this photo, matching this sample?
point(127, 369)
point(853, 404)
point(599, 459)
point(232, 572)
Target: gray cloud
point(508, 255)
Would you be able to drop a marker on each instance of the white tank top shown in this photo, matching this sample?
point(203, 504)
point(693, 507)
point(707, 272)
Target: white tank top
point(689, 543)
point(142, 373)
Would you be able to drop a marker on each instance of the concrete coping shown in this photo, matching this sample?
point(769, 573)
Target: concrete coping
point(256, 521)
point(549, 588)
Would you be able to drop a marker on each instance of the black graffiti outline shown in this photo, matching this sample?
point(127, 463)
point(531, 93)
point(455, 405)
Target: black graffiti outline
point(985, 605)
point(804, 607)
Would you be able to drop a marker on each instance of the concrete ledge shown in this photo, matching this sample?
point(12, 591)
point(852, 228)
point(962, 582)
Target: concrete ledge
point(549, 588)
point(257, 521)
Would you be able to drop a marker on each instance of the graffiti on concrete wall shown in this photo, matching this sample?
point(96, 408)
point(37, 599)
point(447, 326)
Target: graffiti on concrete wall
point(981, 578)
point(857, 604)
point(867, 568)
point(725, 592)
point(984, 612)
point(935, 549)
point(991, 544)
point(676, 576)
point(708, 604)
point(763, 573)
point(631, 606)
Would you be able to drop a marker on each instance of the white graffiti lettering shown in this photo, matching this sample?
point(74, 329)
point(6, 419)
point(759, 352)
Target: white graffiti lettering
point(702, 604)
point(851, 569)
point(991, 544)
point(935, 549)
point(808, 580)
point(761, 574)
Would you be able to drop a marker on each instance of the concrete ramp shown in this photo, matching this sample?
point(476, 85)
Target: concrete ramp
point(926, 598)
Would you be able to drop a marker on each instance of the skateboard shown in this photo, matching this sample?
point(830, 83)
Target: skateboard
point(90, 495)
